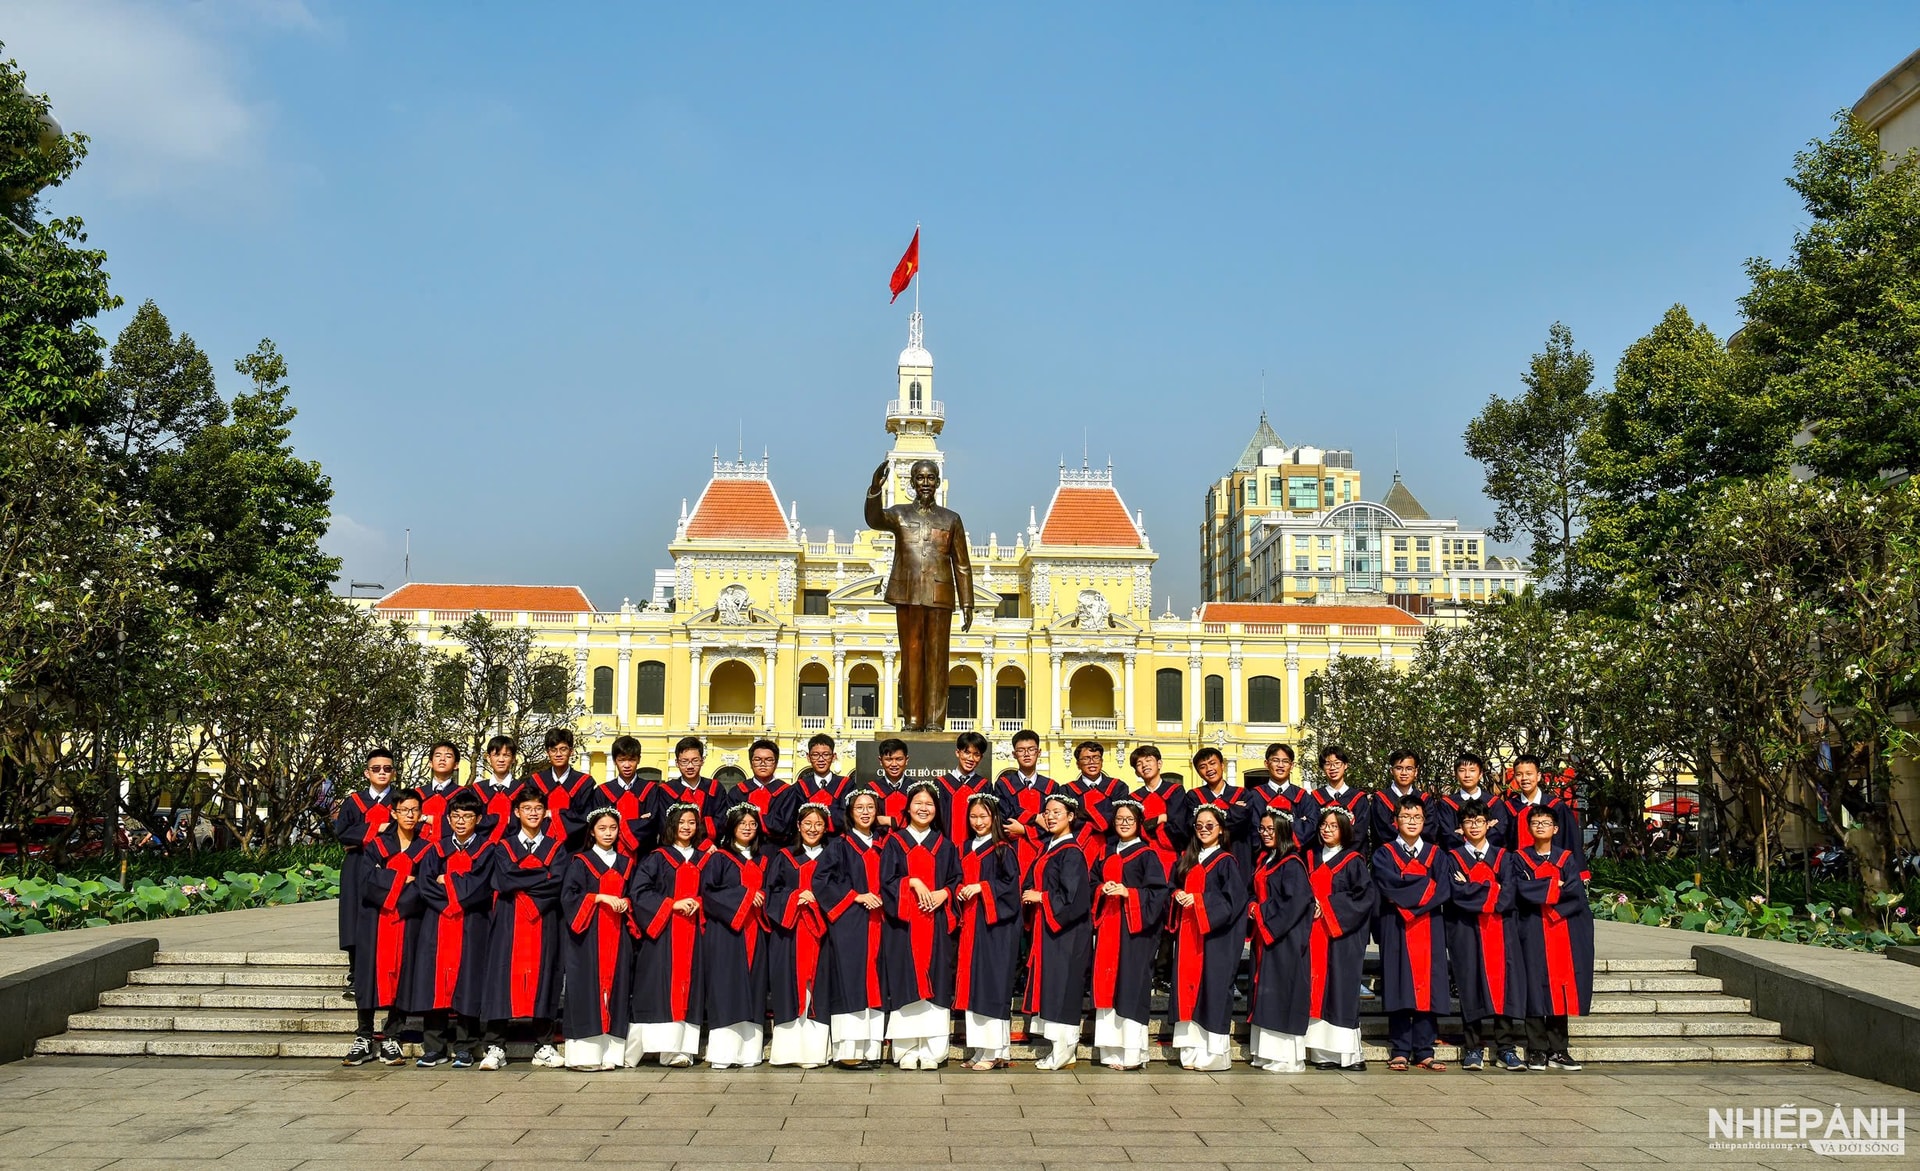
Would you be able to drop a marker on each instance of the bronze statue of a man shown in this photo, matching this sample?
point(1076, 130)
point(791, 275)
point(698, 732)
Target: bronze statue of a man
point(932, 571)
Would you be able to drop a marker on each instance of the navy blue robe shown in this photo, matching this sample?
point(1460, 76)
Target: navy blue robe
point(1443, 820)
point(598, 947)
point(797, 938)
point(1126, 928)
point(916, 947)
point(1243, 821)
point(1209, 936)
point(735, 938)
point(1281, 917)
point(1337, 948)
point(848, 868)
point(810, 787)
point(668, 983)
point(1062, 926)
point(523, 939)
point(446, 971)
point(390, 922)
point(1556, 933)
point(568, 800)
point(987, 943)
point(1413, 942)
point(1566, 831)
point(1382, 820)
point(1483, 940)
point(634, 803)
point(360, 819)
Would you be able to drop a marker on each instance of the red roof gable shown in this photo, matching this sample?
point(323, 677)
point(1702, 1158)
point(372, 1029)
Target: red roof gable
point(421, 595)
point(1311, 614)
point(738, 508)
point(1089, 516)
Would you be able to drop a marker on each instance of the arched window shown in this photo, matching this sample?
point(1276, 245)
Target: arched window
point(650, 689)
point(1010, 695)
point(1310, 692)
point(1216, 699)
point(913, 395)
point(1263, 700)
point(1166, 694)
point(603, 691)
point(550, 688)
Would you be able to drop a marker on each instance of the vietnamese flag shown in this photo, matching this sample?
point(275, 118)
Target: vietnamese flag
point(903, 272)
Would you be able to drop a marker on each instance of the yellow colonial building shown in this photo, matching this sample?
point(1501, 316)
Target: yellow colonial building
point(769, 630)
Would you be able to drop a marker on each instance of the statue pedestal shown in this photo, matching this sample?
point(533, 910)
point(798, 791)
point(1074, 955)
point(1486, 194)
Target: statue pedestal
point(929, 755)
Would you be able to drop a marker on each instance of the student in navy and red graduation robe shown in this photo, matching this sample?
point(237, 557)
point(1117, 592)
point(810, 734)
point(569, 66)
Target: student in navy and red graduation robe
point(1556, 934)
point(567, 790)
point(733, 895)
point(817, 784)
point(1165, 818)
point(496, 787)
point(1243, 819)
point(1129, 909)
point(629, 796)
point(1058, 895)
point(919, 868)
point(796, 945)
point(1483, 944)
point(1210, 911)
point(447, 967)
point(598, 947)
point(443, 765)
point(1469, 774)
point(685, 786)
point(523, 936)
point(1335, 762)
point(1529, 792)
point(890, 787)
point(1383, 804)
point(1095, 791)
point(668, 982)
point(847, 885)
point(387, 930)
point(1281, 922)
point(1213, 789)
point(959, 783)
point(1021, 789)
point(1343, 895)
point(362, 816)
point(987, 905)
point(1280, 760)
point(762, 791)
point(1413, 880)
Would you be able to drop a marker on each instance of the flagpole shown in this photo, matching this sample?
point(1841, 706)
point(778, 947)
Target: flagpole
point(916, 271)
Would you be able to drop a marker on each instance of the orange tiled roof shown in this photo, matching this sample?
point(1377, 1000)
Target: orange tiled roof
point(1089, 516)
point(421, 595)
point(738, 508)
point(1279, 612)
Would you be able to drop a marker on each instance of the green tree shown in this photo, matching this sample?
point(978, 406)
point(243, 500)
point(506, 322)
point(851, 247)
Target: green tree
point(51, 288)
point(1536, 473)
point(160, 397)
point(1656, 445)
point(500, 682)
point(1832, 340)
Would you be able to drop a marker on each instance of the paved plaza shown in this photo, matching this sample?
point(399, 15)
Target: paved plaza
point(84, 1113)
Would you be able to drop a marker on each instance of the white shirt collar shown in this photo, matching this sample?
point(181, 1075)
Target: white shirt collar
point(1208, 852)
point(685, 852)
point(1130, 843)
point(607, 857)
point(810, 851)
point(531, 843)
point(1058, 838)
point(980, 840)
point(919, 836)
point(865, 839)
point(1327, 853)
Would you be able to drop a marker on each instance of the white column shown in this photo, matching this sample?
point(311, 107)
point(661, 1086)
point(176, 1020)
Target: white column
point(837, 702)
point(623, 684)
point(1127, 682)
point(1058, 703)
point(889, 689)
point(1196, 679)
point(693, 688)
point(1236, 702)
point(983, 696)
point(580, 674)
point(770, 658)
point(1296, 709)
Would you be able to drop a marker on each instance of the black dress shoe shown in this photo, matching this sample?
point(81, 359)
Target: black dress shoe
point(1358, 1067)
point(1326, 1065)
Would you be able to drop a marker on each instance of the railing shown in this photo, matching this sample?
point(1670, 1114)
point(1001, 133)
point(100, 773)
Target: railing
point(813, 723)
point(1213, 627)
point(1359, 631)
point(1317, 628)
point(1263, 628)
point(830, 548)
point(1407, 631)
point(959, 725)
point(555, 618)
point(649, 721)
point(862, 723)
point(1009, 726)
point(1096, 724)
point(929, 408)
point(732, 720)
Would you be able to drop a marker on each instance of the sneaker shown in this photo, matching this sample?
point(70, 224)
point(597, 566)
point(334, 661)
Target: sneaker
point(361, 1053)
point(1563, 1063)
point(1537, 1062)
point(1510, 1062)
point(1472, 1061)
point(494, 1058)
point(390, 1052)
point(1366, 991)
point(462, 1059)
point(547, 1057)
point(430, 1059)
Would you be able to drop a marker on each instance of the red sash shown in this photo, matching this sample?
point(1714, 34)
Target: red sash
point(377, 814)
point(1042, 919)
point(920, 924)
point(559, 801)
point(1326, 928)
point(1192, 940)
point(963, 968)
point(685, 931)
point(1152, 805)
point(746, 920)
point(870, 861)
point(958, 794)
point(1030, 799)
point(809, 925)
point(1111, 924)
point(1493, 932)
point(529, 933)
point(451, 940)
point(391, 933)
point(1417, 929)
point(1563, 989)
point(432, 811)
point(611, 938)
point(760, 798)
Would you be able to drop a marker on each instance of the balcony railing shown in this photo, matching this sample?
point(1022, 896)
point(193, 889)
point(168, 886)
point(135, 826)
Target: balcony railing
point(813, 723)
point(862, 723)
point(1096, 724)
point(925, 409)
point(959, 724)
point(733, 719)
point(1009, 726)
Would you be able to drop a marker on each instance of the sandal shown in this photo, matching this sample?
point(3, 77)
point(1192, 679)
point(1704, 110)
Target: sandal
point(1433, 1065)
point(1398, 1065)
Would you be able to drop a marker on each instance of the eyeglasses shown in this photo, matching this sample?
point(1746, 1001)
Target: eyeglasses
point(379, 768)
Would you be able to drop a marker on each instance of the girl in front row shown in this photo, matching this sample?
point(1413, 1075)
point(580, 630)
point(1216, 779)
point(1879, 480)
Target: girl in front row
point(797, 932)
point(732, 897)
point(1129, 910)
point(988, 909)
point(918, 870)
point(1210, 896)
point(847, 883)
point(597, 946)
point(667, 981)
point(1059, 896)
point(1342, 885)
point(1282, 920)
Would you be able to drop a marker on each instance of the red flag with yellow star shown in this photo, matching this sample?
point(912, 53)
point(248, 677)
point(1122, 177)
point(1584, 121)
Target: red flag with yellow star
point(903, 272)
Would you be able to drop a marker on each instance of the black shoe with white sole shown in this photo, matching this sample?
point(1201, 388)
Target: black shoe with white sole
point(361, 1053)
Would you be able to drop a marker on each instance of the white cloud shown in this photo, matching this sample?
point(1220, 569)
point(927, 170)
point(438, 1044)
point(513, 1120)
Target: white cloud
point(158, 88)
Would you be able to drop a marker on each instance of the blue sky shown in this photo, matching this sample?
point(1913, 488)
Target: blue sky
point(532, 264)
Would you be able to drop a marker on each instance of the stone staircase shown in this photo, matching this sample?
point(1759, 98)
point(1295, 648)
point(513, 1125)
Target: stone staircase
point(289, 1004)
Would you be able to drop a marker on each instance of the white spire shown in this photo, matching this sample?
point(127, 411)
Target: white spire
point(916, 352)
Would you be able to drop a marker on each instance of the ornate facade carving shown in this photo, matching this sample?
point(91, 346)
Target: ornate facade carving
point(788, 581)
point(733, 608)
point(1041, 589)
point(1143, 587)
point(1093, 612)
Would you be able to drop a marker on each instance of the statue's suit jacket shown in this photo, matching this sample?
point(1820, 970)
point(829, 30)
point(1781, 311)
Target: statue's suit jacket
point(932, 563)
